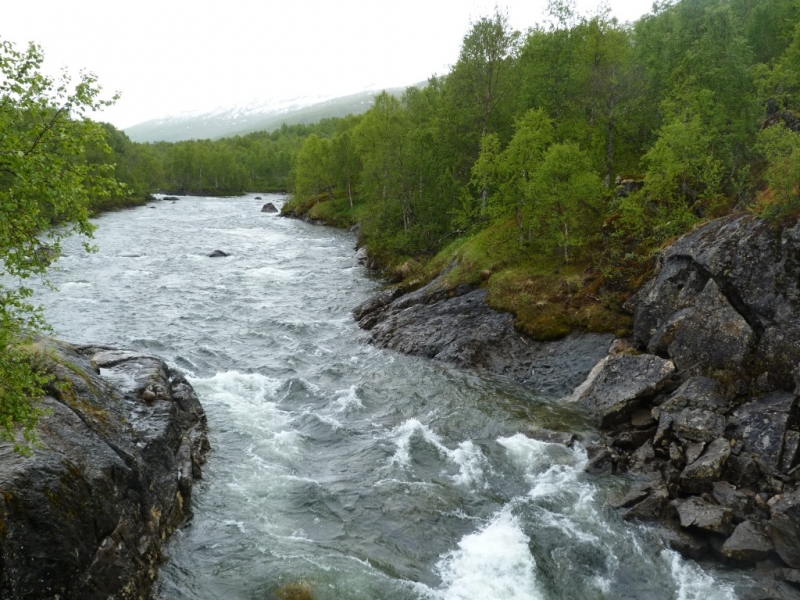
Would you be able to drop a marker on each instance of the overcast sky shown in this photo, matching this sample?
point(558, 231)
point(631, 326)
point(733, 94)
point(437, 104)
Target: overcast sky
point(170, 56)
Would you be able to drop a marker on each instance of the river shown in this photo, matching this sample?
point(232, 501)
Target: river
point(351, 472)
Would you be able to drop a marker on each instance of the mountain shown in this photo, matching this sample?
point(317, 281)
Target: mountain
point(257, 116)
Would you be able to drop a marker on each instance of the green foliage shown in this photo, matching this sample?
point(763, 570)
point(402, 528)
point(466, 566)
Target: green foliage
point(566, 209)
point(313, 168)
point(519, 144)
point(45, 179)
point(781, 147)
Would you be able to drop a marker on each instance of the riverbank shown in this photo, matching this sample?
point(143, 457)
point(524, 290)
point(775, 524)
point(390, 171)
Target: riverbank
point(87, 513)
point(698, 408)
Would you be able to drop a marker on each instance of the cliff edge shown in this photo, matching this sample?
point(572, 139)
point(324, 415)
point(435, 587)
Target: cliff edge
point(87, 513)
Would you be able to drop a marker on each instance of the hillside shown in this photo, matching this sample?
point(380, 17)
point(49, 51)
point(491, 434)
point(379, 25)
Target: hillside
point(226, 122)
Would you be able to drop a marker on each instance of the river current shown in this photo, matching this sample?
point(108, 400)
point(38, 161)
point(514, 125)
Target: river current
point(347, 471)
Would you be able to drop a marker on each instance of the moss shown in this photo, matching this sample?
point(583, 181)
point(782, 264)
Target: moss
point(548, 299)
point(295, 591)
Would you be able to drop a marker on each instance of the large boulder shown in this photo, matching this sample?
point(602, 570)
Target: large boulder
point(783, 529)
point(700, 475)
point(748, 543)
point(726, 298)
point(763, 424)
point(696, 513)
point(622, 385)
point(85, 515)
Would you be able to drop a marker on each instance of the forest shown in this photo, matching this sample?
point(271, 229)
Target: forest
point(550, 165)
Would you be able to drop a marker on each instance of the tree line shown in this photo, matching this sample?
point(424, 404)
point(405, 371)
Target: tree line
point(584, 139)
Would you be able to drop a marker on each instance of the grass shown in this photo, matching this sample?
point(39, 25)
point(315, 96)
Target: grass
point(547, 298)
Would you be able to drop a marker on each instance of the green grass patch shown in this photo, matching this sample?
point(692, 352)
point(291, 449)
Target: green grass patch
point(547, 298)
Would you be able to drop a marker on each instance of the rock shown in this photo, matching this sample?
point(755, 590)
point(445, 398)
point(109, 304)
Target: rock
point(748, 543)
point(697, 425)
point(742, 470)
point(791, 576)
point(703, 472)
point(623, 384)
point(742, 503)
point(764, 589)
point(783, 529)
point(693, 412)
point(729, 294)
point(694, 512)
point(762, 424)
point(642, 419)
point(652, 508)
point(791, 451)
point(693, 451)
point(711, 336)
point(218, 254)
point(682, 541)
point(638, 491)
point(368, 313)
point(552, 437)
point(785, 535)
point(458, 327)
point(172, 198)
point(86, 515)
point(601, 461)
point(642, 459)
point(269, 207)
point(362, 257)
point(257, 198)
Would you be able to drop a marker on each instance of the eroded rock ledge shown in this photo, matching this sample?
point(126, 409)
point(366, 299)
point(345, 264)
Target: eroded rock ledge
point(705, 420)
point(457, 326)
point(87, 514)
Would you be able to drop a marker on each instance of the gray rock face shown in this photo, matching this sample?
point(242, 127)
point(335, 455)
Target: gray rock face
point(85, 516)
point(748, 543)
point(694, 512)
point(783, 529)
point(269, 207)
point(763, 424)
point(623, 384)
point(700, 475)
point(726, 297)
point(724, 308)
point(457, 326)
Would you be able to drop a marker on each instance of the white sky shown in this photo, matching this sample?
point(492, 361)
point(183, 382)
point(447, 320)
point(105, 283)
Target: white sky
point(171, 56)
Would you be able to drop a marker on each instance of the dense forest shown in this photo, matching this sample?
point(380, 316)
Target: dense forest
point(553, 165)
point(550, 166)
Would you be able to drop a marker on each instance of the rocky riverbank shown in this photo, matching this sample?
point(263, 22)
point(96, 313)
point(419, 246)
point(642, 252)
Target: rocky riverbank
point(703, 416)
point(457, 326)
point(87, 513)
point(699, 410)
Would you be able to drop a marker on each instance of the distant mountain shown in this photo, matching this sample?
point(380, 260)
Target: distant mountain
point(225, 122)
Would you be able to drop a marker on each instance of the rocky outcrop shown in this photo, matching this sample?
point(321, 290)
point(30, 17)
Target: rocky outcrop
point(458, 327)
point(725, 301)
point(712, 445)
point(269, 207)
point(85, 515)
point(218, 254)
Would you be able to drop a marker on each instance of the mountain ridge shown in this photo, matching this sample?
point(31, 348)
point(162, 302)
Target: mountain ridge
point(257, 116)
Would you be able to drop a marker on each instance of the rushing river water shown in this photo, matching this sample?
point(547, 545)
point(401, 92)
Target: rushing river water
point(353, 472)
